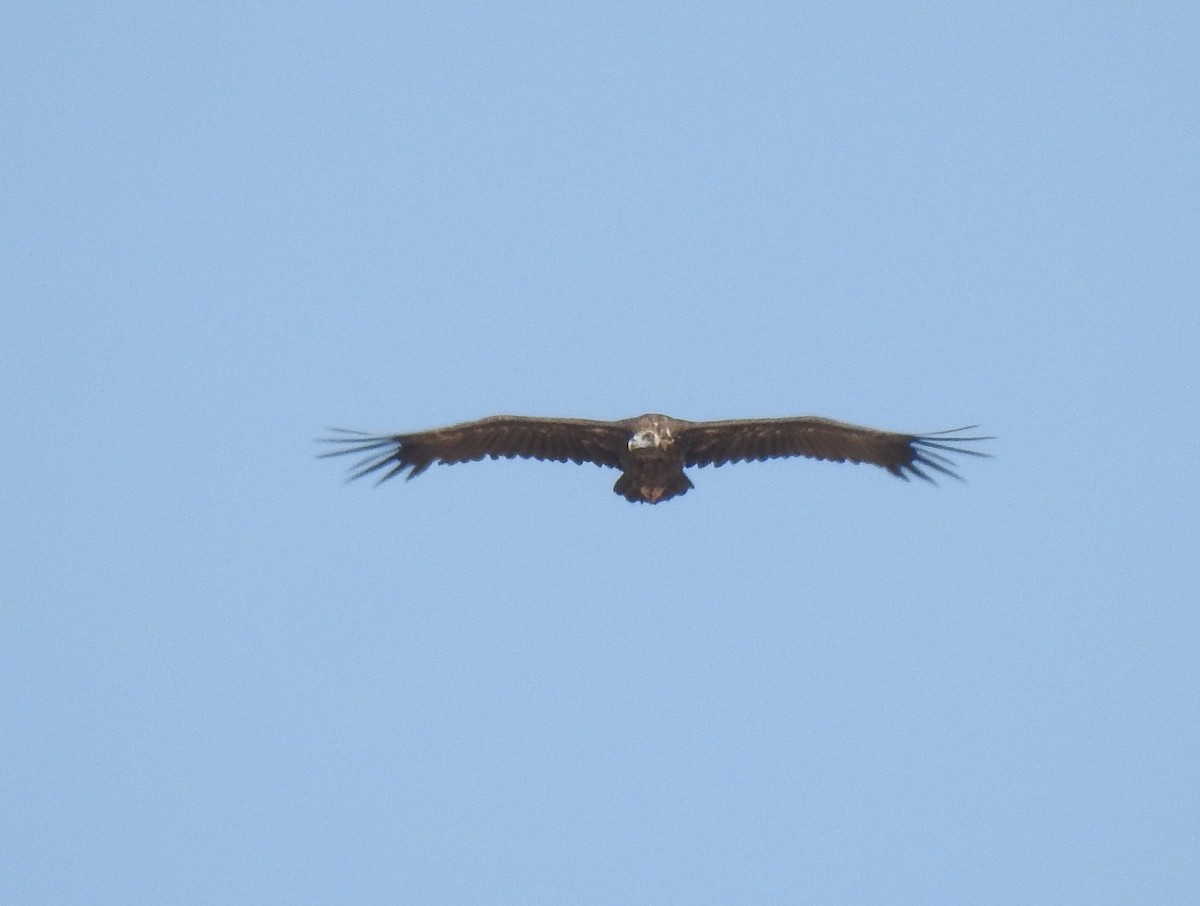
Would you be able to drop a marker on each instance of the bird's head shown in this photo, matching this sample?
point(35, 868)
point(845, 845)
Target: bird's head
point(651, 432)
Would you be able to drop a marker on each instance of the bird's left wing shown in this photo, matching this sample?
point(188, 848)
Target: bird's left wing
point(716, 443)
point(501, 436)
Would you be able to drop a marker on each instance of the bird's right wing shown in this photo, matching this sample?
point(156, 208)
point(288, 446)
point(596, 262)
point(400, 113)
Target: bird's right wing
point(501, 436)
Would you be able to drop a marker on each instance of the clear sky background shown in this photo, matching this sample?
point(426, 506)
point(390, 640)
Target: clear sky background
point(227, 676)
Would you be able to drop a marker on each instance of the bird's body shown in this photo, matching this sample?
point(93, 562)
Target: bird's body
point(652, 450)
point(652, 469)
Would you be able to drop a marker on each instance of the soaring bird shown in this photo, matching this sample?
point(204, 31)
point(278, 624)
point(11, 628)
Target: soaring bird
point(651, 451)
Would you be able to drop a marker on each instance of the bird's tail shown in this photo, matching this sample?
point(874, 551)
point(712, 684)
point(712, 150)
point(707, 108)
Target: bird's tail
point(652, 488)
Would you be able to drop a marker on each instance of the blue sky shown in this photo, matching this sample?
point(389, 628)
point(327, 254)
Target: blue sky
point(227, 676)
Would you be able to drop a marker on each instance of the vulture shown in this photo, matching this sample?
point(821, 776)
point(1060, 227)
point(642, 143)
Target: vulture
point(651, 451)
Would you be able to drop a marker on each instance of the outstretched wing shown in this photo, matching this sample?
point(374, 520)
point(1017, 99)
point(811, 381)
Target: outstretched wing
point(716, 443)
point(501, 436)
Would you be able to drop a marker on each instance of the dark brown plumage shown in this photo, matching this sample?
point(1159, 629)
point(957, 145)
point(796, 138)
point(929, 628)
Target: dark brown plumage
point(652, 450)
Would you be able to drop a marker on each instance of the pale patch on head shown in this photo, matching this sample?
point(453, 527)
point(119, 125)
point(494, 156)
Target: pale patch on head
point(656, 435)
point(644, 440)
